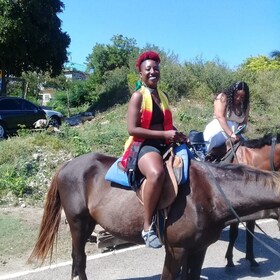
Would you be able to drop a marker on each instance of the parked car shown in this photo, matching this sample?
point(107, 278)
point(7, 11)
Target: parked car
point(16, 112)
point(79, 118)
point(55, 118)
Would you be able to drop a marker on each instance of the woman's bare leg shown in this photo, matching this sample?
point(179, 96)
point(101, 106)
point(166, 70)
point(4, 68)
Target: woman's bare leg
point(151, 166)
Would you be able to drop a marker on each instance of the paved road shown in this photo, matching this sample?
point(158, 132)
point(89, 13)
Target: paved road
point(139, 262)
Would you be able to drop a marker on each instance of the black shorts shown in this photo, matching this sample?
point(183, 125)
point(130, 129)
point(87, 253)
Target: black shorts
point(152, 145)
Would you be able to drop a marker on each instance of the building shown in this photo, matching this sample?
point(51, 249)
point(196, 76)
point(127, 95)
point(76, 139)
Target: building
point(71, 75)
point(74, 75)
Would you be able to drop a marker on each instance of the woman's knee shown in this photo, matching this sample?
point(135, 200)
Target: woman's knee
point(155, 175)
point(153, 172)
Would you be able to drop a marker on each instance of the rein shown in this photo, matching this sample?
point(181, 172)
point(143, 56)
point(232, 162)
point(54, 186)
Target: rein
point(233, 151)
point(237, 216)
point(272, 148)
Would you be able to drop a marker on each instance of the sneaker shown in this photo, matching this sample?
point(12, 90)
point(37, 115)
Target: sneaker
point(151, 239)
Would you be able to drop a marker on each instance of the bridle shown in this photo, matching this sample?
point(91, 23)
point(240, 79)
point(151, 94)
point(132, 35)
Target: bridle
point(271, 155)
point(272, 149)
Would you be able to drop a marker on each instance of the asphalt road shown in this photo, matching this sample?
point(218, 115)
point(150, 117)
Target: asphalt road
point(141, 263)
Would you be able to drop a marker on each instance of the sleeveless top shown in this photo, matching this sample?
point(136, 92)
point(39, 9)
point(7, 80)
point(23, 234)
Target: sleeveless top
point(147, 112)
point(235, 118)
point(157, 116)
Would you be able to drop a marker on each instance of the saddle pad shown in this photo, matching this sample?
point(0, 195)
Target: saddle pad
point(116, 175)
point(184, 152)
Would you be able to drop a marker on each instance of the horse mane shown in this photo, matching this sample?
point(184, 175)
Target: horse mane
point(230, 171)
point(260, 142)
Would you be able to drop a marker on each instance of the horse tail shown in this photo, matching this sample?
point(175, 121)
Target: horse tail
point(49, 224)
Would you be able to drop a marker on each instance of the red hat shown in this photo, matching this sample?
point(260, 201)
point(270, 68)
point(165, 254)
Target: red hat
point(147, 55)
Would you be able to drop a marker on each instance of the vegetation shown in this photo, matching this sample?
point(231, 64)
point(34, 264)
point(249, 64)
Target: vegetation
point(31, 38)
point(28, 162)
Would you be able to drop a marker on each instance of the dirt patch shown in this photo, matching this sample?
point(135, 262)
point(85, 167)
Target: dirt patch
point(19, 229)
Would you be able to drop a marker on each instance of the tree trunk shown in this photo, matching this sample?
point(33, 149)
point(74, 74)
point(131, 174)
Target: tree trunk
point(3, 82)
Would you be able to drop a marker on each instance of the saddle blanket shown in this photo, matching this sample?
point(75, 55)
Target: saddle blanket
point(116, 175)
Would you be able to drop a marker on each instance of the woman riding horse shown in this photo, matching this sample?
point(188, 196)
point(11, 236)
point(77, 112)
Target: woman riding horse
point(231, 110)
point(150, 128)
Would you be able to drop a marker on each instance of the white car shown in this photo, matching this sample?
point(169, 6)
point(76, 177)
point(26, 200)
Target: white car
point(55, 118)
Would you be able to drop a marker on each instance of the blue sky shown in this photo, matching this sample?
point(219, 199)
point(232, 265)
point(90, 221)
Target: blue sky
point(229, 30)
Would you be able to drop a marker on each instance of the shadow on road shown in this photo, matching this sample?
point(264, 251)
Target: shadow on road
point(156, 277)
point(269, 263)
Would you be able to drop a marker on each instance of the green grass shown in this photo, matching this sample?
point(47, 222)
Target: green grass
point(19, 228)
point(12, 232)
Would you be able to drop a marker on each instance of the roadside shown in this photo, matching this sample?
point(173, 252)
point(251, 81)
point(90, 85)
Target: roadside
point(18, 233)
point(138, 262)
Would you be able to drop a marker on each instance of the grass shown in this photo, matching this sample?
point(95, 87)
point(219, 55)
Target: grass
point(11, 244)
point(18, 232)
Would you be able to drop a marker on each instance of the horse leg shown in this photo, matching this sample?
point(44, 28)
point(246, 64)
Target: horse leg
point(81, 229)
point(233, 233)
point(250, 244)
point(172, 263)
point(192, 265)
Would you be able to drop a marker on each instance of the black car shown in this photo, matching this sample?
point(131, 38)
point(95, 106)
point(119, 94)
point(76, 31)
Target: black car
point(16, 112)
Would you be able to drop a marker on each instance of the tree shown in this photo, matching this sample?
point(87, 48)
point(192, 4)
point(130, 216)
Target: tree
point(31, 38)
point(260, 63)
point(275, 54)
point(208, 77)
point(106, 58)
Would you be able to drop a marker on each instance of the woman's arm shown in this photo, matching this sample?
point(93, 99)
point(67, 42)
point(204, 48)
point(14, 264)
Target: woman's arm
point(220, 107)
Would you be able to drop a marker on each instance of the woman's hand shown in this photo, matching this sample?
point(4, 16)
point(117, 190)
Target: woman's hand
point(175, 136)
point(233, 137)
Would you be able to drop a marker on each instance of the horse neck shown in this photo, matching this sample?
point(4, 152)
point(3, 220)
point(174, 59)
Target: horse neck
point(258, 157)
point(248, 190)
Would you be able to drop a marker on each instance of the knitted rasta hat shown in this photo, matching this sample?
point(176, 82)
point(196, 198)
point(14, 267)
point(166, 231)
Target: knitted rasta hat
point(147, 55)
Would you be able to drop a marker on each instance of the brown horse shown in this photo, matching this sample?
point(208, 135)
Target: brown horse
point(262, 153)
point(196, 219)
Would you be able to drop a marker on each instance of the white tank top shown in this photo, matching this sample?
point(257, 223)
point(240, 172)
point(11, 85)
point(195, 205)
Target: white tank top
point(233, 117)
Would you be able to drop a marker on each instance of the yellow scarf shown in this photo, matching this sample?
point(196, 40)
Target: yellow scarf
point(146, 117)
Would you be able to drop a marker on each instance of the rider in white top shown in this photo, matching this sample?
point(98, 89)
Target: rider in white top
point(231, 110)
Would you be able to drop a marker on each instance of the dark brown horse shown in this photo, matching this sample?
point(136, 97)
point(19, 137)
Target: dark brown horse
point(195, 220)
point(262, 153)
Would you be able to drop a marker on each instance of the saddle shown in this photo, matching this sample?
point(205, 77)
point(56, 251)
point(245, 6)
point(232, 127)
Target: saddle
point(223, 153)
point(173, 166)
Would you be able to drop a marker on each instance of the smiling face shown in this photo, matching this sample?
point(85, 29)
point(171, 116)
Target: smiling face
point(150, 73)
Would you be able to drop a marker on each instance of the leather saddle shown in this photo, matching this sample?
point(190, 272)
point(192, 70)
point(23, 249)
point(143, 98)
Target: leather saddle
point(173, 166)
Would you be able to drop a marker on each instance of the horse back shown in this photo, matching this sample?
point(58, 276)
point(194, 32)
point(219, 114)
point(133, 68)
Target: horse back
point(77, 178)
point(85, 192)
